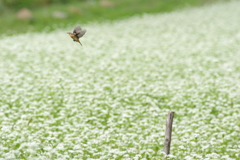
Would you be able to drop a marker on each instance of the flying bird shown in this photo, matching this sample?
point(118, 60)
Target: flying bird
point(78, 32)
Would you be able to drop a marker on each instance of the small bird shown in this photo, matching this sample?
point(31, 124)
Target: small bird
point(78, 32)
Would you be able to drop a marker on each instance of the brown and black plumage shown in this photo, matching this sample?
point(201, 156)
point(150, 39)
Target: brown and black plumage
point(78, 32)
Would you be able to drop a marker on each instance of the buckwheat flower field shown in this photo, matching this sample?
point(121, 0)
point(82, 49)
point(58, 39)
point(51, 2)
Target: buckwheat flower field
point(109, 98)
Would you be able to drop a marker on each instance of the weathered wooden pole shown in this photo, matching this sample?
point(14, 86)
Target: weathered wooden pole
point(168, 133)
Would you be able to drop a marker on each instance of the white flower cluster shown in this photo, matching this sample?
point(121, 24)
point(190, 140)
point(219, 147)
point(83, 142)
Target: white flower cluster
point(109, 98)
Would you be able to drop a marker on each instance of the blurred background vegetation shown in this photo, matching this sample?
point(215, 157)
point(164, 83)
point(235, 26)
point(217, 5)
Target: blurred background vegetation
point(21, 16)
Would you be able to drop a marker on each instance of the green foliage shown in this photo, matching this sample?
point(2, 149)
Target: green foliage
point(83, 12)
point(16, 4)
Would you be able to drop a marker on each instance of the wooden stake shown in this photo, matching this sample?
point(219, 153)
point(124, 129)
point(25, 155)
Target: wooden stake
point(29, 121)
point(168, 133)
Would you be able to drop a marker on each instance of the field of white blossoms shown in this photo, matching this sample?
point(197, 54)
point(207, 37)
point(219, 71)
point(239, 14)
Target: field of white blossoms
point(109, 98)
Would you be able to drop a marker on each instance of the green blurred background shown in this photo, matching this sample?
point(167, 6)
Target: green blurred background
point(21, 16)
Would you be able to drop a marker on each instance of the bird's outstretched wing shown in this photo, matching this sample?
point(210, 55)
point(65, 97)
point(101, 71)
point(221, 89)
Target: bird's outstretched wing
point(79, 32)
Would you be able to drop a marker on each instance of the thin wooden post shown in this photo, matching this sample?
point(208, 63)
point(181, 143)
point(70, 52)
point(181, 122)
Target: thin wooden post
point(168, 133)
